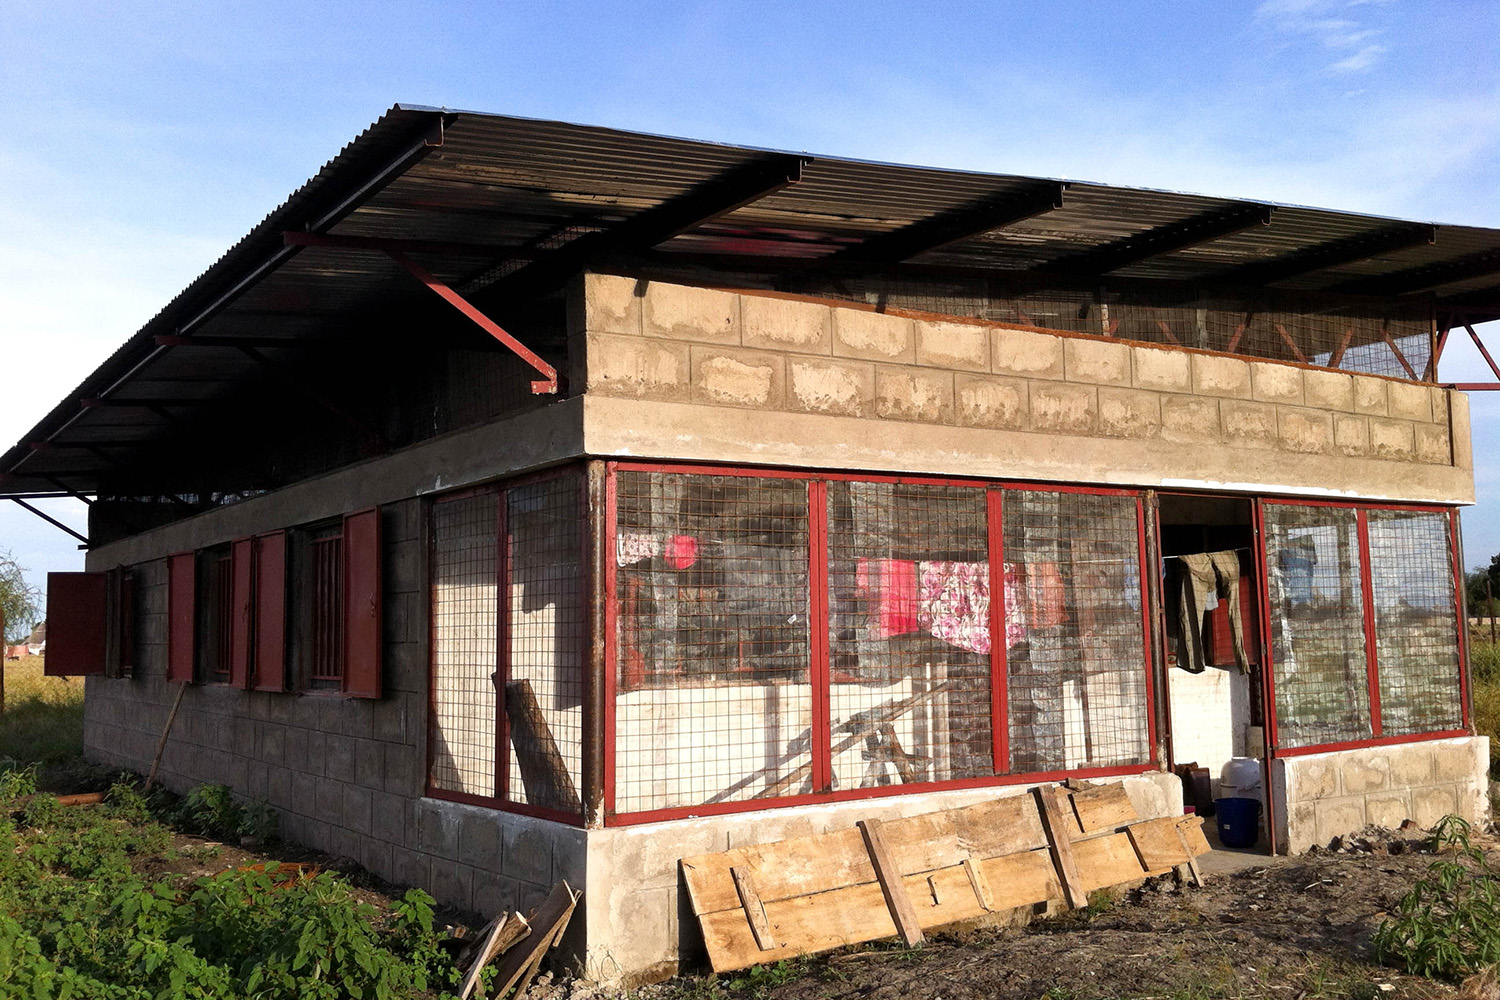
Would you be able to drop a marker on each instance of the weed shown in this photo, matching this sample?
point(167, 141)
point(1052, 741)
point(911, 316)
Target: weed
point(757, 981)
point(1449, 923)
point(210, 810)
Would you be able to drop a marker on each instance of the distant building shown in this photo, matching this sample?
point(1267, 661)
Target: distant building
point(732, 495)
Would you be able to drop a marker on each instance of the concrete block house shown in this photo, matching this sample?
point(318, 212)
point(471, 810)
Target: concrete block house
point(523, 501)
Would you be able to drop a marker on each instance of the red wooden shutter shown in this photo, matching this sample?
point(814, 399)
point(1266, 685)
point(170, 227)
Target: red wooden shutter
point(182, 582)
point(77, 609)
point(270, 612)
point(362, 617)
point(241, 607)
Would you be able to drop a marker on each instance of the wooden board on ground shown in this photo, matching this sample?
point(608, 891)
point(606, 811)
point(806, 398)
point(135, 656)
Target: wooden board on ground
point(548, 921)
point(766, 902)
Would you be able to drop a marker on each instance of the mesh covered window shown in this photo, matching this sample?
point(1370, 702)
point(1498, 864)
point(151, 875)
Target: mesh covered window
point(1416, 621)
point(464, 635)
point(909, 633)
point(1075, 637)
point(1317, 625)
point(713, 692)
point(547, 641)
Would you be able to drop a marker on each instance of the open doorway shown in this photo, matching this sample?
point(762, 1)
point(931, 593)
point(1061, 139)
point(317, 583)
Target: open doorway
point(1211, 623)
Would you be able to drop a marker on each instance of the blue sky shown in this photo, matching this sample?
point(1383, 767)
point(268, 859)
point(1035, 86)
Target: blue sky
point(139, 141)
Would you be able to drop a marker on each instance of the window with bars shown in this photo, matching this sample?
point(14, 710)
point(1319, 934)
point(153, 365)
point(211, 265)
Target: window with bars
point(1317, 624)
point(719, 681)
point(714, 692)
point(317, 632)
point(1327, 567)
point(1076, 666)
point(509, 644)
point(1416, 621)
point(215, 614)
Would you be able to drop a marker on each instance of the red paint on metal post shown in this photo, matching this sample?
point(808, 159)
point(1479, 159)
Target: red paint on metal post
point(999, 636)
point(1391, 343)
point(822, 718)
point(1338, 355)
point(1291, 343)
point(457, 301)
point(1146, 643)
point(1463, 622)
point(1367, 587)
point(503, 555)
point(611, 635)
point(1480, 344)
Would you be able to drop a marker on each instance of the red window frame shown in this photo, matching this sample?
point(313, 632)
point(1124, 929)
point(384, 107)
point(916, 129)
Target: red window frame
point(818, 583)
point(1372, 657)
point(503, 564)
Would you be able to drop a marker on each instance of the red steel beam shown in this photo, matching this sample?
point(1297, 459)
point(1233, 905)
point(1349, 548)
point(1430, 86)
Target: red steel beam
point(1391, 343)
point(545, 385)
point(1480, 344)
point(51, 520)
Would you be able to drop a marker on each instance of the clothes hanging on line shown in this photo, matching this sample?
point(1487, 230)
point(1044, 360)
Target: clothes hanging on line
point(1204, 579)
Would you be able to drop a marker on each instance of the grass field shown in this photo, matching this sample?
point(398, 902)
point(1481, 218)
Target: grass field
point(1484, 669)
point(43, 719)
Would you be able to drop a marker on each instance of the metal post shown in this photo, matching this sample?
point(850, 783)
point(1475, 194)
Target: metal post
point(1489, 609)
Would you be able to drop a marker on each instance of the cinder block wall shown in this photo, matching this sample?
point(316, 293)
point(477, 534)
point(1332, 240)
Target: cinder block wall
point(1326, 795)
point(1134, 413)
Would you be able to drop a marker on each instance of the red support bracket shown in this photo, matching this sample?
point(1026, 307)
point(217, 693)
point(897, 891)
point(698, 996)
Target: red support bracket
point(457, 301)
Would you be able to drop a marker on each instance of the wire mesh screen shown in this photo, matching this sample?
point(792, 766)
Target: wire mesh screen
point(1075, 636)
point(464, 620)
point(909, 633)
point(713, 699)
point(1416, 621)
point(215, 611)
point(547, 635)
point(326, 554)
point(1383, 339)
point(1317, 625)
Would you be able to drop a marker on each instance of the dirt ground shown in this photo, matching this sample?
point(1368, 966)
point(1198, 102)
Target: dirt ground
point(1292, 929)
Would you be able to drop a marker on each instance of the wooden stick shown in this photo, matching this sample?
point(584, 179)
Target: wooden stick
point(1192, 862)
point(981, 887)
point(902, 912)
point(755, 910)
point(1060, 843)
point(505, 932)
point(161, 744)
point(541, 763)
point(549, 921)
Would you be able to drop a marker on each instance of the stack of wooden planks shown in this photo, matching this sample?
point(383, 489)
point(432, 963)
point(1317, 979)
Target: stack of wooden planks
point(904, 876)
point(520, 943)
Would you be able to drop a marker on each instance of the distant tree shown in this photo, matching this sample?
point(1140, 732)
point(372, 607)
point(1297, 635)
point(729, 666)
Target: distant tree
point(20, 602)
point(1474, 584)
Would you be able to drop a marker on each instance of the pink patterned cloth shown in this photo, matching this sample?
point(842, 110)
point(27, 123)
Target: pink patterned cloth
point(953, 603)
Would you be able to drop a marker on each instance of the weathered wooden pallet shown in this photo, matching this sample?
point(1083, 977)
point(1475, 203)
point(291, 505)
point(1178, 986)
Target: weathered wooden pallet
point(766, 902)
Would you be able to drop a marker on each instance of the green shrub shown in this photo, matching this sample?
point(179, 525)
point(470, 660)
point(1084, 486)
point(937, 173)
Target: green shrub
point(1448, 925)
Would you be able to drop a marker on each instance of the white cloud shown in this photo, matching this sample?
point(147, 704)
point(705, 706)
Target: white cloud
point(1360, 61)
point(1326, 24)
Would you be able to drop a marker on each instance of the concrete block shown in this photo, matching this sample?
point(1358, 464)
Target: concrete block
point(1432, 444)
point(526, 852)
point(681, 312)
point(338, 758)
point(1410, 400)
point(1458, 760)
point(733, 377)
point(1388, 809)
point(1064, 408)
point(874, 336)
point(612, 305)
point(1215, 375)
point(961, 346)
point(1411, 765)
point(1392, 439)
point(1362, 772)
point(375, 855)
point(357, 815)
point(1328, 390)
point(369, 763)
point(402, 775)
point(411, 868)
point(279, 787)
point(1370, 395)
point(1304, 431)
point(1312, 778)
point(635, 367)
point(982, 401)
point(914, 394)
point(1428, 805)
point(1099, 362)
point(1458, 423)
point(388, 814)
point(437, 827)
point(1249, 425)
point(452, 883)
point(1439, 403)
point(1351, 435)
point(846, 388)
point(493, 894)
point(479, 840)
point(1129, 413)
point(786, 324)
point(1339, 817)
point(1189, 420)
point(1274, 383)
point(1473, 804)
point(650, 857)
point(1023, 352)
point(1159, 368)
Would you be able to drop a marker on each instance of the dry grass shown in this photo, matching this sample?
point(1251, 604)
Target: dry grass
point(1484, 669)
point(43, 720)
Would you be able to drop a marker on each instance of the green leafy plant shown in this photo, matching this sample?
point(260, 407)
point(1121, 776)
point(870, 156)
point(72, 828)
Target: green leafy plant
point(210, 810)
point(1449, 923)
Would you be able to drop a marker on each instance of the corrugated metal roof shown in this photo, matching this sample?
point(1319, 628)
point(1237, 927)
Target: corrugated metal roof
point(523, 187)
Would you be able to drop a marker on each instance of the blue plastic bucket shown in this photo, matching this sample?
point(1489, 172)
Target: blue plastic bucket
point(1239, 822)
